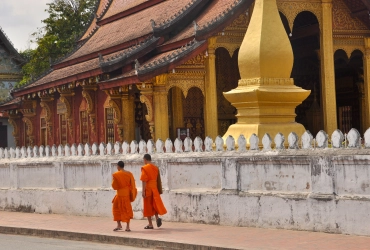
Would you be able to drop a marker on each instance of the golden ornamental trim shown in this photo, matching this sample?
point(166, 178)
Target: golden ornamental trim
point(291, 9)
point(343, 20)
point(29, 126)
point(90, 103)
point(349, 45)
point(186, 81)
point(266, 81)
point(149, 106)
point(117, 111)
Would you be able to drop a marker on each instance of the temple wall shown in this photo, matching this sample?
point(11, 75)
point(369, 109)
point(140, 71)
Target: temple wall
point(324, 190)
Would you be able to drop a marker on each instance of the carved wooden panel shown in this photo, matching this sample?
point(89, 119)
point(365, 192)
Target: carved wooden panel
point(342, 19)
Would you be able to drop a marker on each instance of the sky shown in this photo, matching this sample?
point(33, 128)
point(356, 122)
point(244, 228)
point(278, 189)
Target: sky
point(20, 18)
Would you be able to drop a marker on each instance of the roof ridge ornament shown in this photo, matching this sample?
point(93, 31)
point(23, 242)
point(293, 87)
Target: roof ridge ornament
point(232, 10)
point(105, 9)
point(170, 58)
point(137, 66)
point(191, 9)
point(196, 27)
point(128, 55)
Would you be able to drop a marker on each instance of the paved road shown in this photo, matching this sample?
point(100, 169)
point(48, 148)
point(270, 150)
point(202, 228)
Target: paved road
point(12, 242)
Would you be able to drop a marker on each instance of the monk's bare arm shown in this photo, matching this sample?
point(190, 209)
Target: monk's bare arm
point(143, 190)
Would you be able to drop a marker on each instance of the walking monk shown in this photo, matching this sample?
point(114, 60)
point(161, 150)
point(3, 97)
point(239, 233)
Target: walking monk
point(124, 183)
point(153, 204)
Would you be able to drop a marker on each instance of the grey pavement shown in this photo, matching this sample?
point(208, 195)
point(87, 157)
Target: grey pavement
point(17, 242)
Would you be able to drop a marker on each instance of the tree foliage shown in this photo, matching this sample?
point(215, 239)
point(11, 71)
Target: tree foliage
point(66, 22)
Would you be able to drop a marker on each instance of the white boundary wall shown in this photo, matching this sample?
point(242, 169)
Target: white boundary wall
point(316, 189)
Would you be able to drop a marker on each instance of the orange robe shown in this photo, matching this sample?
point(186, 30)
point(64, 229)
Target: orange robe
point(152, 202)
point(123, 182)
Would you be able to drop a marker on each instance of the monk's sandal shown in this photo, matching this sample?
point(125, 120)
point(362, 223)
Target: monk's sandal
point(159, 222)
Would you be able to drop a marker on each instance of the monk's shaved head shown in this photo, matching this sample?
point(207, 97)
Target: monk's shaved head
point(147, 157)
point(121, 164)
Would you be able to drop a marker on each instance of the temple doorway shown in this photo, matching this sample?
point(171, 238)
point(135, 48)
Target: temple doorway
point(186, 112)
point(227, 77)
point(142, 129)
point(305, 40)
point(349, 88)
point(3, 136)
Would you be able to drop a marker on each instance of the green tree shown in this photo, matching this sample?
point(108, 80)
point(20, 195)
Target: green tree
point(66, 22)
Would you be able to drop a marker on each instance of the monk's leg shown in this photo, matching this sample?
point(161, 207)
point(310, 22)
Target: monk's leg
point(150, 221)
point(128, 226)
point(117, 214)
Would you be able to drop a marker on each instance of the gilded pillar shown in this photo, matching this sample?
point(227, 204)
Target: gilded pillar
point(366, 118)
point(161, 124)
point(177, 110)
point(211, 115)
point(128, 114)
point(329, 103)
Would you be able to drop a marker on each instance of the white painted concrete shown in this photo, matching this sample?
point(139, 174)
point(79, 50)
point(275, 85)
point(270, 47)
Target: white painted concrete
point(317, 190)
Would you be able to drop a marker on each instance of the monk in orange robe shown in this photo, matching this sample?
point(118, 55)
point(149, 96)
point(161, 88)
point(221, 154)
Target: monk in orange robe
point(124, 183)
point(153, 204)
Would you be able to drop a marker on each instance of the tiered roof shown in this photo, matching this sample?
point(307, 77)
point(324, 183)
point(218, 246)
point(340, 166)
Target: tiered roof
point(140, 37)
point(144, 38)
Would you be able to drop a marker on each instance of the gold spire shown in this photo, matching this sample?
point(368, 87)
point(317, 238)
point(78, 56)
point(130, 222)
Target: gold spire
point(266, 51)
point(266, 96)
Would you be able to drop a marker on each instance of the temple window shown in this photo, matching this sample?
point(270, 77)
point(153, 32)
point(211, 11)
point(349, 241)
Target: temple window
point(84, 127)
point(109, 125)
point(26, 138)
point(43, 132)
point(84, 123)
point(63, 129)
point(43, 128)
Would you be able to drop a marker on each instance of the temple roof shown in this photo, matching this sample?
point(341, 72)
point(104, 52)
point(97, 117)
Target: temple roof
point(102, 6)
point(125, 31)
point(143, 38)
point(10, 103)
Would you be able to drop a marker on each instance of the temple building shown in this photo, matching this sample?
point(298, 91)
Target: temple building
point(158, 69)
point(10, 74)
